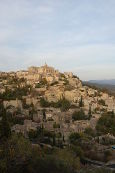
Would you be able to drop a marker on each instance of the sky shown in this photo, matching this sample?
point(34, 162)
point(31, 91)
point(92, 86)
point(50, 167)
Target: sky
point(71, 35)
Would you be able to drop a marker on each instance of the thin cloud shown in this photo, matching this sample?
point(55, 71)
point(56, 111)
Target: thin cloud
point(68, 35)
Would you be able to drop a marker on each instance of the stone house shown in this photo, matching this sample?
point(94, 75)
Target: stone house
point(53, 94)
point(26, 127)
point(15, 103)
point(2, 90)
point(80, 126)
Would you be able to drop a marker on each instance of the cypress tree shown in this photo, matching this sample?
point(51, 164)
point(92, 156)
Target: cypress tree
point(5, 130)
point(81, 102)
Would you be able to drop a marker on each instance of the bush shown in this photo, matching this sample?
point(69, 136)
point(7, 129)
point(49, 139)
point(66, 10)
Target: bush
point(15, 94)
point(66, 82)
point(107, 155)
point(44, 81)
point(101, 102)
point(44, 103)
point(106, 124)
point(90, 132)
point(78, 151)
point(63, 104)
point(80, 115)
point(32, 134)
point(55, 83)
point(74, 137)
point(67, 155)
point(38, 85)
point(55, 126)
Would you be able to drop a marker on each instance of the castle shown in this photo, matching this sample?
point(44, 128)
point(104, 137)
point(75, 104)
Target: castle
point(36, 74)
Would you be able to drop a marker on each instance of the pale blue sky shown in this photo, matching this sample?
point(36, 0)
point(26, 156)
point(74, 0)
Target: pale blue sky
point(71, 35)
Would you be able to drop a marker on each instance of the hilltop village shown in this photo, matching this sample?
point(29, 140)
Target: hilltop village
point(44, 98)
point(47, 85)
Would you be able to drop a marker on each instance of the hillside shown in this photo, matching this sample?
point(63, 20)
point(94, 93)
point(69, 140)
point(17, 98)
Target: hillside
point(57, 115)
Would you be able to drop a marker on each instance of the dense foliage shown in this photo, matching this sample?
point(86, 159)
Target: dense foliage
point(17, 93)
point(19, 155)
point(63, 104)
point(5, 130)
point(101, 102)
point(81, 102)
point(79, 115)
point(106, 124)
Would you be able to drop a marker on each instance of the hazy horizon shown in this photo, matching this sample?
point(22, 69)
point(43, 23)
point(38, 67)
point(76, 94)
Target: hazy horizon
point(75, 36)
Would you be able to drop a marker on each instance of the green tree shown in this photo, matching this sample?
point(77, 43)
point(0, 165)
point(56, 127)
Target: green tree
point(101, 102)
point(90, 132)
point(32, 134)
point(56, 126)
point(79, 115)
point(74, 137)
point(54, 139)
point(89, 113)
point(65, 104)
point(69, 157)
point(1, 108)
point(106, 124)
point(44, 103)
point(14, 152)
point(5, 130)
point(107, 155)
point(78, 151)
point(44, 115)
point(81, 102)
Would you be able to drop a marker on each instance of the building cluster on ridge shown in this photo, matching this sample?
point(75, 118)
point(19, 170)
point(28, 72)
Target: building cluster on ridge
point(57, 86)
point(36, 74)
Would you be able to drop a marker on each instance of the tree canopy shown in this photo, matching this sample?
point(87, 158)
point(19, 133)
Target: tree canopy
point(106, 124)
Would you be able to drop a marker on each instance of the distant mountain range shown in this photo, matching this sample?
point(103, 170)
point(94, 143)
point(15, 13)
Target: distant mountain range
point(103, 82)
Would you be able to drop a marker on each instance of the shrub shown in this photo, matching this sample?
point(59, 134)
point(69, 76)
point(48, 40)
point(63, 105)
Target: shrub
point(107, 155)
point(80, 115)
point(17, 93)
point(101, 102)
point(63, 104)
point(55, 83)
point(106, 124)
point(44, 103)
point(74, 137)
point(32, 134)
point(56, 126)
point(89, 131)
point(38, 85)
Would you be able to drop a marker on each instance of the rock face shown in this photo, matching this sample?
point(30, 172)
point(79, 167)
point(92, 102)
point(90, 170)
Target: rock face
point(72, 96)
point(75, 82)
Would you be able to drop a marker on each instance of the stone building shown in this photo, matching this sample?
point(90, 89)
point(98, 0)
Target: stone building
point(15, 103)
point(43, 70)
point(26, 127)
point(36, 74)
